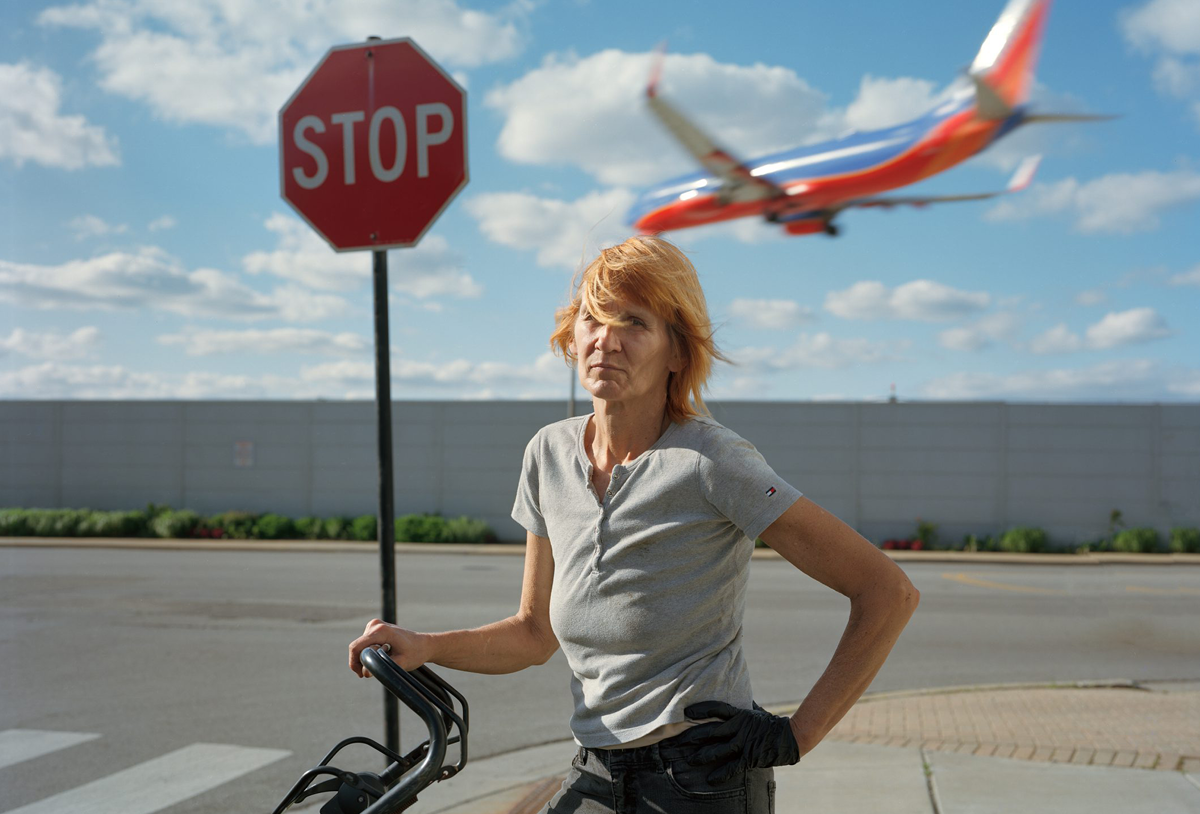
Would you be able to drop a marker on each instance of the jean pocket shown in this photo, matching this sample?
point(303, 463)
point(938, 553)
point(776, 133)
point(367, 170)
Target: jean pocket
point(692, 782)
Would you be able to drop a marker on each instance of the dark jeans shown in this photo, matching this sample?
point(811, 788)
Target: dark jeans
point(657, 779)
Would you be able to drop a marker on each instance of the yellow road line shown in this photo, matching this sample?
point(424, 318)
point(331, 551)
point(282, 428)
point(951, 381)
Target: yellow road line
point(986, 583)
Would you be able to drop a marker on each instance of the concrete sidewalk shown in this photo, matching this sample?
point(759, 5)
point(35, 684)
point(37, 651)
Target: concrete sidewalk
point(1119, 747)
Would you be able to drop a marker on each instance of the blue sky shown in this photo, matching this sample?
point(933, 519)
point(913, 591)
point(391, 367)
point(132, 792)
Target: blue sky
point(145, 252)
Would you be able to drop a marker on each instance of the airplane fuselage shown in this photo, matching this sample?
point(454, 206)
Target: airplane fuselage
point(818, 177)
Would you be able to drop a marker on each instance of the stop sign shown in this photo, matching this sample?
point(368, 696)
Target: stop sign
point(373, 145)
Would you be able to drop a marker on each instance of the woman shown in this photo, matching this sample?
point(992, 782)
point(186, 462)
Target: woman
point(640, 522)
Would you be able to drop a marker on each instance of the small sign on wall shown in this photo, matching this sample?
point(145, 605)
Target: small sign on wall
point(243, 454)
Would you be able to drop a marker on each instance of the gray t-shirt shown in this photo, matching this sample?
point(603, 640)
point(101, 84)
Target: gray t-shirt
point(650, 582)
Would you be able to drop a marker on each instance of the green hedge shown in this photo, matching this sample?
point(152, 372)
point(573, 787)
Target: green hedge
point(163, 521)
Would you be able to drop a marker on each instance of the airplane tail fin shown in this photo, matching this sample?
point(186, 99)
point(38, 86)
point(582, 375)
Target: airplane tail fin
point(1003, 69)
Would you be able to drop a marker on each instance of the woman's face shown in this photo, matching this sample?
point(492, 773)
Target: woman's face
point(623, 362)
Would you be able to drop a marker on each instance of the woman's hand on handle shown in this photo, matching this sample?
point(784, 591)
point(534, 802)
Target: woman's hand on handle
point(408, 648)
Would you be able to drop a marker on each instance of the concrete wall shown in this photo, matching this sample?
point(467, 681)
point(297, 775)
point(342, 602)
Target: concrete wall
point(969, 467)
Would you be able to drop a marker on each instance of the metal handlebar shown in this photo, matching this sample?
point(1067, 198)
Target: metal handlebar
point(426, 694)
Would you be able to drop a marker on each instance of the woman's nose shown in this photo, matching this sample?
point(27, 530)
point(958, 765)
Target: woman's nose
point(607, 339)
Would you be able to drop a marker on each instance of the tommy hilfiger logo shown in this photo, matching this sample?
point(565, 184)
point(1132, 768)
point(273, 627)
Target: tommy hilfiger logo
point(771, 491)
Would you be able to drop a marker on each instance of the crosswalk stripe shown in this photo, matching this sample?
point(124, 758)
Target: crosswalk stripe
point(158, 783)
point(19, 745)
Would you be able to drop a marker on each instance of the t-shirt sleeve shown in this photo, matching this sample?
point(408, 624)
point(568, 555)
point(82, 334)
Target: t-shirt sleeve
point(527, 507)
point(741, 485)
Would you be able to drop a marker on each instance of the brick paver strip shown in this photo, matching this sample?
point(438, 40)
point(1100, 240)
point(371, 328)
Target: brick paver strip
point(1103, 726)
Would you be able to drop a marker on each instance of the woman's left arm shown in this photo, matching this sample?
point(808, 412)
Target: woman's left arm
point(882, 600)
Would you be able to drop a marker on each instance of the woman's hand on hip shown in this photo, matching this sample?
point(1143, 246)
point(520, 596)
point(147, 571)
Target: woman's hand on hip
point(742, 739)
point(408, 648)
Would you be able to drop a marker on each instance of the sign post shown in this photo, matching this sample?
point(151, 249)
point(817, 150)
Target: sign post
point(372, 149)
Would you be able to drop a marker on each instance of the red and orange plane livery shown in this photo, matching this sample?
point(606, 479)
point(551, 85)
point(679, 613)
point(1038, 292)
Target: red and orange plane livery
point(805, 189)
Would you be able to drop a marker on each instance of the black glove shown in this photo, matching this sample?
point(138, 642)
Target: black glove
point(742, 739)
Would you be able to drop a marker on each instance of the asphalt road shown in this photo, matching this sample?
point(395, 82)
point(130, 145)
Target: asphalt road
point(157, 652)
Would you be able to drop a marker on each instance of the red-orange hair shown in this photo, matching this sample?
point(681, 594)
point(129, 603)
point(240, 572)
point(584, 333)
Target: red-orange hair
point(655, 274)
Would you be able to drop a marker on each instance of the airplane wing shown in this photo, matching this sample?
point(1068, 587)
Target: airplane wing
point(1019, 181)
point(737, 184)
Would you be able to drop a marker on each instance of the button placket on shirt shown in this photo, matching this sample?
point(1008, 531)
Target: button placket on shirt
point(613, 485)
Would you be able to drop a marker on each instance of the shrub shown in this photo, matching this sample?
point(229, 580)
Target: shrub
point(338, 528)
point(175, 524)
point(926, 534)
point(420, 528)
point(113, 524)
point(1136, 541)
point(236, 524)
point(1183, 541)
point(364, 528)
point(56, 522)
point(467, 530)
point(274, 527)
point(14, 523)
point(903, 545)
point(309, 528)
point(1023, 540)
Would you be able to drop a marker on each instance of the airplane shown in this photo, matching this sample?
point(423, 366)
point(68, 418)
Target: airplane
point(805, 189)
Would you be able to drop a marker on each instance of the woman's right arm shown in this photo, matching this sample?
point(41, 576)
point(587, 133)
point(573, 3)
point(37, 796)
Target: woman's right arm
point(507, 646)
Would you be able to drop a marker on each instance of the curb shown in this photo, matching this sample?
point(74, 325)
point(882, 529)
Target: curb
point(518, 549)
point(1098, 684)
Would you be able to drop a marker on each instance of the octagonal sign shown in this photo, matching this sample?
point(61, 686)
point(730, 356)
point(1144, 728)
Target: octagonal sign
point(373, 145)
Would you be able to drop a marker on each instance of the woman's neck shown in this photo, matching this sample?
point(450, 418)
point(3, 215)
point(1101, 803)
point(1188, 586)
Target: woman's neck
point(617, 434)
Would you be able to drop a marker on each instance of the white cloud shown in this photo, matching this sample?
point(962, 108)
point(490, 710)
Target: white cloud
point(546, 369)
point(1116, 380)
point(819, 350)
point(1121, 203)
point(777, 314)
point(564, 233)
point(428, 270)
point(52, 380)
point(1058, 339)
point(1001, 326)
point(1170, 31)
point(542, 378)
point(922, 300)
point(1168, 25)
point(150, 278)
point(883, 102)
point(1131, 327)
point(1116, 329)
point(748, 388)
point(165, 222)
point(1186, 278)
point(32, 129)
point(197, 342)
point(232, 64)
point(79, 344)
point(86, 226)
point(1093, 296)
point(589, 112)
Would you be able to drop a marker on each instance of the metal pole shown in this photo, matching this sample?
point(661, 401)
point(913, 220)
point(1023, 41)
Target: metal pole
point(387, 514)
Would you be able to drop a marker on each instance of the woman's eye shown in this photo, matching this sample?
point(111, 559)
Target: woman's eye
point(587, 317)
point(639, 323)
